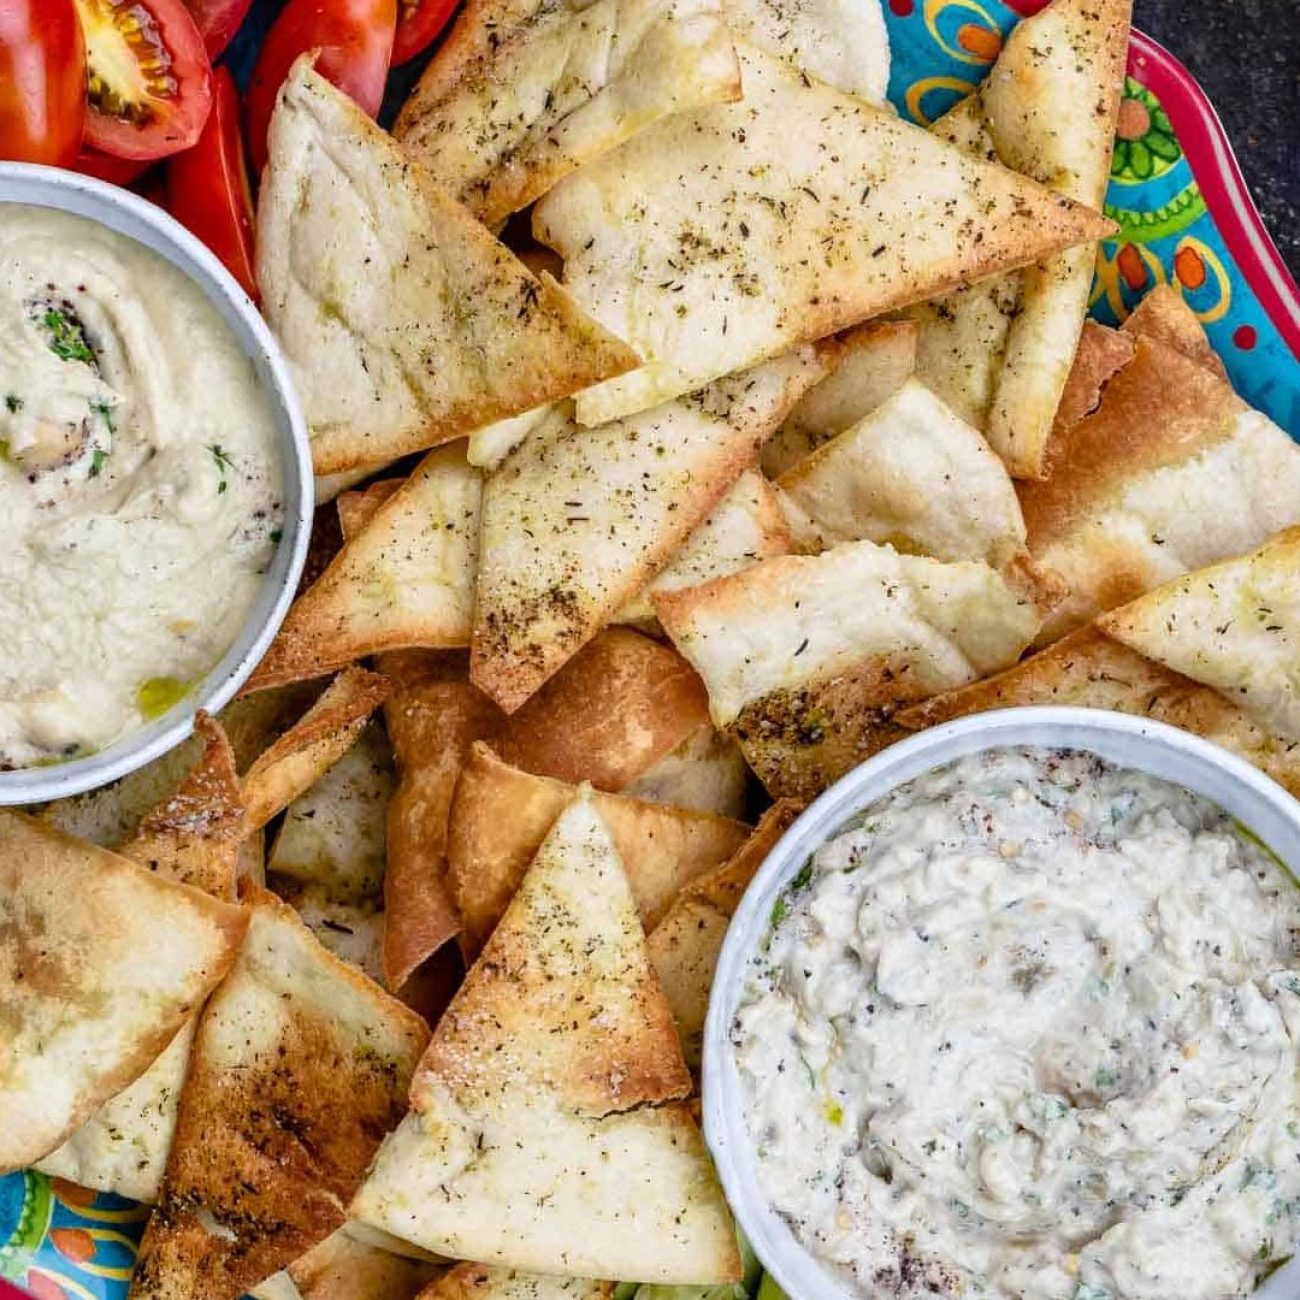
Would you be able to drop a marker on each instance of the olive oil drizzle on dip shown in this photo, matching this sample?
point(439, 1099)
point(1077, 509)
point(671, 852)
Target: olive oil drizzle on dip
point(140, 486)
point(1028, 1028)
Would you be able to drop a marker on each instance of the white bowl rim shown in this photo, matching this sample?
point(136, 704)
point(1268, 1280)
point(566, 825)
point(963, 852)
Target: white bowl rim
point(1262, 805)
point(136, 218)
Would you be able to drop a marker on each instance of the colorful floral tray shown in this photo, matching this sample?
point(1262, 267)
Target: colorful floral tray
point(1185, 218)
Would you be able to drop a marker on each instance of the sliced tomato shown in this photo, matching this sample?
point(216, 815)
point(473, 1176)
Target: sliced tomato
point(419, 23)
point(42, 81)
point(207, 186)
point(150, 80)
point(104, 167)
point(354, 40)
point(218, 21)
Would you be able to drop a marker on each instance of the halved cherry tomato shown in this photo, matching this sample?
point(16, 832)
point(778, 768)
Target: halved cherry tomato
point(104, 167)
point(419, 22)
point(217, 21)
point(207, 186)
point(150, 81)
point(355, 43)
point(42, 81)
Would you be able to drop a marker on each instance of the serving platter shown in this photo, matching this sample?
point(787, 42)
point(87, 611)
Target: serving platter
point(1186, 219)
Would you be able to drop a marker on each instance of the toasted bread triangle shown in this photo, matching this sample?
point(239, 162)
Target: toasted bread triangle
point(745, 246)
point(406, 322)
point(101, 964)
point(1234, 626)
point(530, 1144)
point(474, 1282)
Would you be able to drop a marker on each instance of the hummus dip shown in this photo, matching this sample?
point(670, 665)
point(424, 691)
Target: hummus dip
point(140, 486)
point(1029, 1029)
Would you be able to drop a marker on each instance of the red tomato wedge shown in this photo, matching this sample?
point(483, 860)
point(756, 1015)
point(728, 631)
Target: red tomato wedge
point(419, 23)
point(218, 21)
point(208, 190)
point(149, 78)
point(42, 81)
point(355, 43)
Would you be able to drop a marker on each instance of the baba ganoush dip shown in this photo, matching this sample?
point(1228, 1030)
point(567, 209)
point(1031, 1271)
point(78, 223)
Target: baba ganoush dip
point(140, 485)
point(1027, 1029)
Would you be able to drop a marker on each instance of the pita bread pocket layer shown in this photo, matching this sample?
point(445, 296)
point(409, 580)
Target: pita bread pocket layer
point(749, 524)
point(294, 763)
point(1171, 473)
point(558, 89)
point(404, 579)
point(1090, 670)
point(1101, 355)
point(805, 657)
point(101, 963)
point(538, 1137)
point(706, 772)
point(1234, 626)
point(576, 521)
point(871, 364)
point(684, 946)
point(476, 1282)
point(1164, 315)
point(1052, 103)
point(445, 331)
point(746, 247)
point(500, 816)
point(300, 1067)
point(192, 838)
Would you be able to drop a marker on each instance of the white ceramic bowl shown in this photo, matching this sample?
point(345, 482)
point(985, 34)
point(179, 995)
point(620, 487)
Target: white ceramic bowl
point(1255, 800)
point(121, 211)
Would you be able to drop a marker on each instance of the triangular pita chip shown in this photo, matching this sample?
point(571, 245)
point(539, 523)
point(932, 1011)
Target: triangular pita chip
point(500, 815)
point(193, 838)
point(744, 246)
point(871, 364)
point(747, 525)
point(805, 657)
point(311, 746)
point(1101, 355)
point(1052, 102)
point(533, 1140)
point(684, 946)
point(1234, 626)
point(562, 87)
point(101, 963)
point(1088, 669)
point(300, 1067)
point(706, 772)
point(356, 509)
point(343, 1267)
point(1164, 315)
point(489, 446)
point(577, 521)
point(406, 323)
point(476, 1282)
point(916, 476)
point(1172, 472)
point(404, 579)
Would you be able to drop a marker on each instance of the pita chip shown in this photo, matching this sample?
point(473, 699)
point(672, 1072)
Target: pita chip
point(1165, 316)
point(1101, 355)
point(749, 524)
point(706, 772)
point(558, 89)
point(500, 815)
point(555, 1152)
point(489, 446)
point(476, 1282)
point(685, 945)
point(1089, 669)
point(444, 332)
point(405, 579)
point(871, 364)
point(806, 657)
point(75, 922)
point(745, 247)
point(305, 752)
point(1052, 102)
point(1234, 626)
point(344, 1267)
point(577, 521)
point(300, 1067)
point(1172, 472)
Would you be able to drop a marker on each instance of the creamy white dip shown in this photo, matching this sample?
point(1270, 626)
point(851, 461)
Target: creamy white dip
point(140, 486)
point(1029, 1029)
